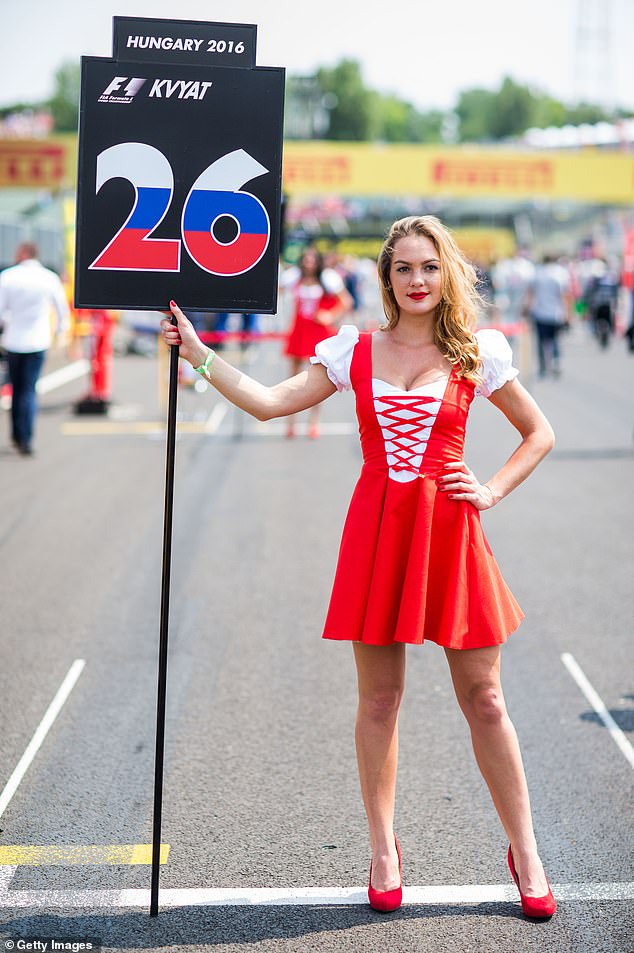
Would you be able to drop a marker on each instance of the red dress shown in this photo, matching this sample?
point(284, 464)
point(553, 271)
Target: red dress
point(413, 564)
point(306, 333)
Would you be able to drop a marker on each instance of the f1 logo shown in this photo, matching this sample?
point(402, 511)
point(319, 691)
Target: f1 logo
point(131, 89)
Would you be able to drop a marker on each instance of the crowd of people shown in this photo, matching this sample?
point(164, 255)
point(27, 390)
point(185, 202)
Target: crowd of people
point(322, 290)
point(550, 292)
point(556, 291)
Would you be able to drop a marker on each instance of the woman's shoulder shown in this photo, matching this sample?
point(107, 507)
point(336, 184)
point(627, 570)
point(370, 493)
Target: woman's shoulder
point(341, 344)
point(335, 353)
point(491, 341)
point(497, 361)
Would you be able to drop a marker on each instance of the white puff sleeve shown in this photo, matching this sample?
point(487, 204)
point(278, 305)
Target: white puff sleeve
point(331, 281)
point(497, 361)
point(335, 353)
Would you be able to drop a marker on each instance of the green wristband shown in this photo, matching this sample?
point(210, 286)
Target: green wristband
point(204, 367)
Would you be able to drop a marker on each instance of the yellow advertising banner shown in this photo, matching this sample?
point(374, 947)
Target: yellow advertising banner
point(326, 168)
point(38, 163)
point(358, 168)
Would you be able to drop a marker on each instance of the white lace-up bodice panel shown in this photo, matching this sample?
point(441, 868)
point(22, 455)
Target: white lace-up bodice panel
point(406, 419)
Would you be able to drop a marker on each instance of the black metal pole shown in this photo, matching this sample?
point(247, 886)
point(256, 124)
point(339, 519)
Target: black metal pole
point(164, 628)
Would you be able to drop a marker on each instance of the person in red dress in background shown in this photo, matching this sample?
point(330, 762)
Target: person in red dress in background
point(414, 564)
point(319, 301)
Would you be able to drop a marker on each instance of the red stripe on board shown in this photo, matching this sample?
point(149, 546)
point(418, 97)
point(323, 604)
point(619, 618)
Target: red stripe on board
point(232, 259)
point(132, 250)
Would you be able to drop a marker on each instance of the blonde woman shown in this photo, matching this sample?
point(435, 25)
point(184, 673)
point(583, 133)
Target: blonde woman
point(414, 563)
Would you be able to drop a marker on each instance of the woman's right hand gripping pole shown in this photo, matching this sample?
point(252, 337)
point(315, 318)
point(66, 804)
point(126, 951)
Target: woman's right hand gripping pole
point(192, 348)
point(288, 397)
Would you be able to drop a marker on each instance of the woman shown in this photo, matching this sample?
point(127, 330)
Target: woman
point(319, 300)
point(414, 563)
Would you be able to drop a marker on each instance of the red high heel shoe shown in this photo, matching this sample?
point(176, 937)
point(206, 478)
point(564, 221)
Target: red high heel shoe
point(539, 907)
point(387, 900)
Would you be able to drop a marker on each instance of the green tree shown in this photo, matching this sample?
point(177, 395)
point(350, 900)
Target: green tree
point(428, 126)
point(513, 110)
point(390, 118)
point(336, 104)
point(492, 115)
point(395, 120)
point(64, 103)
point(586, 112)
point(549, 112)
point(475, 109)
point(18, 108)
point(351, 111)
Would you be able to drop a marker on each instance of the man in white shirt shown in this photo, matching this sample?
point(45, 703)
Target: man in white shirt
point(28, 293)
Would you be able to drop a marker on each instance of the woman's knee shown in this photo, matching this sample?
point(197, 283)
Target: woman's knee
point(380, 705)
point(483, 704)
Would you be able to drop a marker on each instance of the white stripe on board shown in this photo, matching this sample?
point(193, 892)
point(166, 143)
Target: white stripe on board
point(302, 896)
point(597, 703)
point(63, 375)
point(41, 731)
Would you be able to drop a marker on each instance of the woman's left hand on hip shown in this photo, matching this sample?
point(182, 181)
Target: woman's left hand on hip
point(461, 483)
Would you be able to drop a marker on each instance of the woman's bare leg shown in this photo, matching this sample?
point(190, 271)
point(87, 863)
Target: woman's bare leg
point(476, 679)
point(381, 680)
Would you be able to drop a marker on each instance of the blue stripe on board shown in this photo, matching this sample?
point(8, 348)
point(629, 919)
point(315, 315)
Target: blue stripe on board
point(150, 207)
point(204, 206)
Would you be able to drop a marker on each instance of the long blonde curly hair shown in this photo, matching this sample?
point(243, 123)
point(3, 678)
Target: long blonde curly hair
point(456, 314)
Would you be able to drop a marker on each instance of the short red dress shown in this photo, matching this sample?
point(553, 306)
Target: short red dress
point(413, 564)
point(306, 333)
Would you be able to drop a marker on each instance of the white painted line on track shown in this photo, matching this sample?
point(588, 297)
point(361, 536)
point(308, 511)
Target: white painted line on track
point(6, 876)
point(448, 894)
point(48, 382)
point(41, 731)
point(63, 375)
point(216, 417)
point(595, 700)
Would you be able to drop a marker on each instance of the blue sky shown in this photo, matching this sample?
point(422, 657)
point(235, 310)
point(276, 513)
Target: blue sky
point(425, 51)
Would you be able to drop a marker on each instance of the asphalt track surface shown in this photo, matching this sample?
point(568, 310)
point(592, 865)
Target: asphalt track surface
point(260, 780)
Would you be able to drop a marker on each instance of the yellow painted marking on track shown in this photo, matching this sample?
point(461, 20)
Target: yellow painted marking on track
point(40, 855)
point(107, 428)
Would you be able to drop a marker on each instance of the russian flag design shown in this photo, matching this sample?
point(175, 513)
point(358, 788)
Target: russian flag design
point(147, 169)
point(129, 250)
point(203, 209)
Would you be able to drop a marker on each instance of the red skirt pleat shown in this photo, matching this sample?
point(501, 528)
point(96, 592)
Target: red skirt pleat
point(414, 566)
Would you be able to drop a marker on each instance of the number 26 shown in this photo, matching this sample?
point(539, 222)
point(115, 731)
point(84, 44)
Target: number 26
point(216, 194)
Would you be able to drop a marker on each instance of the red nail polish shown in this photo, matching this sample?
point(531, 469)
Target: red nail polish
point(172, 304)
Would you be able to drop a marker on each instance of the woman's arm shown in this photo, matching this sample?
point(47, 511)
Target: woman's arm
point(538, 439)
point(289, 397)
